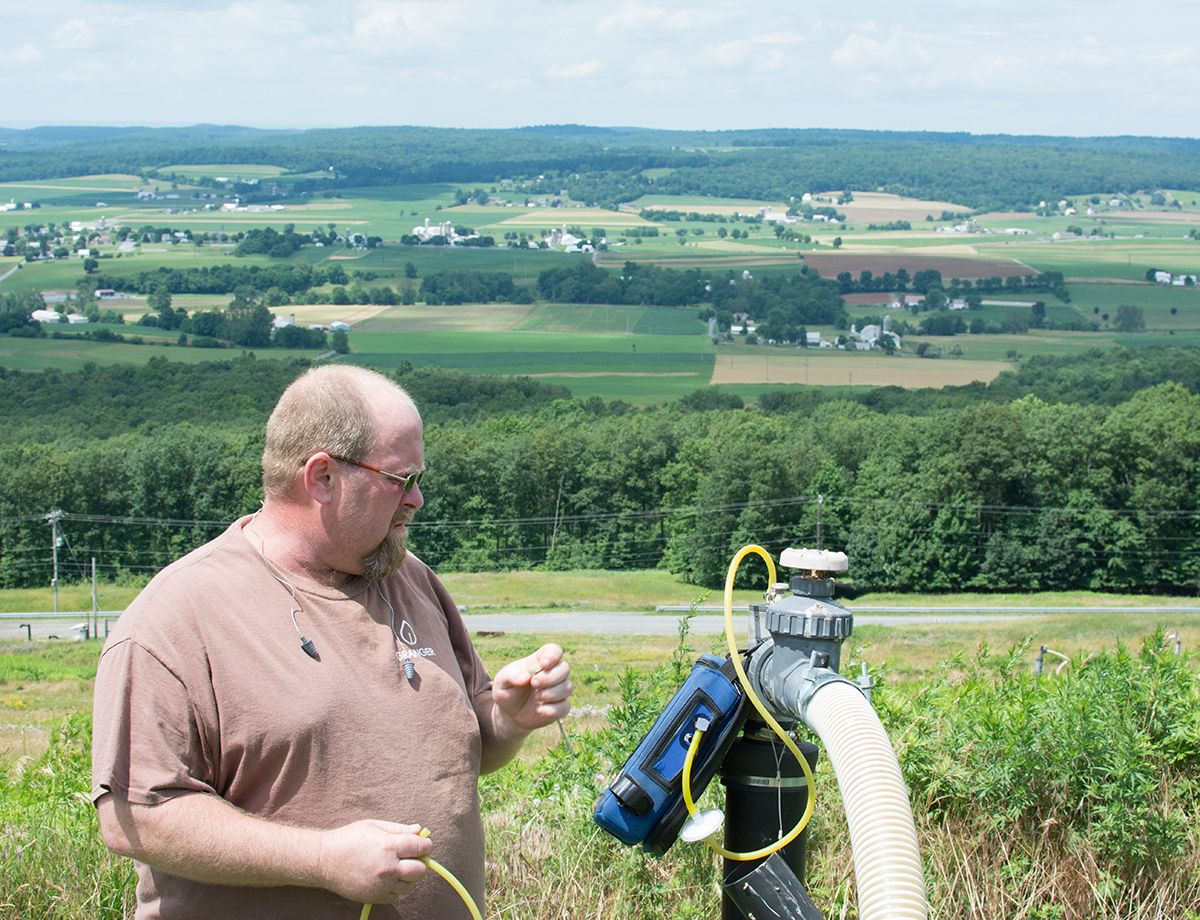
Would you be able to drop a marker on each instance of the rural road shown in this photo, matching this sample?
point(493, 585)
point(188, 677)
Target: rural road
point(624, 623)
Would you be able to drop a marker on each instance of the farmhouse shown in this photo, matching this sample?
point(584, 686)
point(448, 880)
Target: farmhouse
point(872, 336)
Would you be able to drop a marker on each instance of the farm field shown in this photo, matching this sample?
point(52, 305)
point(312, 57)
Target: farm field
point(830, 264)
point(880, 207)
point(228, 170)
point(826, 367)
point(634, 353)
point(71, 354)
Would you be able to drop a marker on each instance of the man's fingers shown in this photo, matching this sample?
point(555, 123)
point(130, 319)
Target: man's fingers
point(546, 657)
point(549, 677)
point(555, 693)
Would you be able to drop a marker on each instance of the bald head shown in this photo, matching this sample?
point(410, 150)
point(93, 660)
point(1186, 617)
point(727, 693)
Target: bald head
point(332, 408)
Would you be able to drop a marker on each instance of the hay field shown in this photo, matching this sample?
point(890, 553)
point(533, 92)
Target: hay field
point(880, 207)
point(324, 314)
point(228, 170)
point(457, 318)
point(556, 217)
point(850, 369)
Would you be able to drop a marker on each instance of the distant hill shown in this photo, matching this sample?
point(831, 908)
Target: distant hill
point(606, 166)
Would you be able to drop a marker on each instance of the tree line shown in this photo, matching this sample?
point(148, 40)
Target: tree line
point(1053, 477)
point(607, 166)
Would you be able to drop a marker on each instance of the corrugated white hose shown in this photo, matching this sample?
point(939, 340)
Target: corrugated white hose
point(887, 861)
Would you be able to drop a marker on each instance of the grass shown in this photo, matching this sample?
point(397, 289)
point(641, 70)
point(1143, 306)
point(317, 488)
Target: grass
point(1030, 799)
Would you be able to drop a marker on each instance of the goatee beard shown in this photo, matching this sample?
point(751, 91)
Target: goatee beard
point(386, 558)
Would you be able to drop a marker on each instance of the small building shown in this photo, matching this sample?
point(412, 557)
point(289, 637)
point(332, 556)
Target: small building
point(339, 326)
point(46, 316)
point(76, 319)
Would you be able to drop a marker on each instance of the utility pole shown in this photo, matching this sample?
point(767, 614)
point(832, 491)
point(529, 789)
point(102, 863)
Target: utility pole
point(95, 628)
point(53, 517)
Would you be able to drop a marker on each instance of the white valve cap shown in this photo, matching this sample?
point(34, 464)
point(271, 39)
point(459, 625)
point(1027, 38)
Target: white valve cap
point(814, 560)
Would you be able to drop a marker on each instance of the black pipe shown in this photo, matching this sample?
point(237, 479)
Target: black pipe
point(765, 791)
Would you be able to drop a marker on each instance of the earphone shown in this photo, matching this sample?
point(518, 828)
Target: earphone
point(308, 646)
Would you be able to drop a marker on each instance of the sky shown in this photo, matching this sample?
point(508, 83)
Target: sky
point(1103, 67)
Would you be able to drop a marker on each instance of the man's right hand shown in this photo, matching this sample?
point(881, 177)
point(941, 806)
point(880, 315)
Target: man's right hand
point(202, 837)
point(372, 862)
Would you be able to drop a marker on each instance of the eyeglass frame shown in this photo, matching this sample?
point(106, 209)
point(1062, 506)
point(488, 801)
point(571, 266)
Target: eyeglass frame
point(407, 482)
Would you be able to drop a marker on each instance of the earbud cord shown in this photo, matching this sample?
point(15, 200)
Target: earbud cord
point(406, 664)
point(305, 642)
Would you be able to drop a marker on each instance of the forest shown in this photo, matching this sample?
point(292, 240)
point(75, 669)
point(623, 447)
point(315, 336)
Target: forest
point(606, 166)
point(1074, 472)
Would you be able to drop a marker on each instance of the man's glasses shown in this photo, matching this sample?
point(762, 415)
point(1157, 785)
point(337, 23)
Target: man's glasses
point(407, 481)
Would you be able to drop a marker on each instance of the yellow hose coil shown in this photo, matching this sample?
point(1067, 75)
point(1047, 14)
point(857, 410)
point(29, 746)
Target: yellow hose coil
point(763, 714)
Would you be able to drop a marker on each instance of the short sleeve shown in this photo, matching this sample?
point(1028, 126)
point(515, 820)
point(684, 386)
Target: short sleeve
point(147, 745)
point(475, 676)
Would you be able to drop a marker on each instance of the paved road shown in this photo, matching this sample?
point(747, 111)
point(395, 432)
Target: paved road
point(624, 623)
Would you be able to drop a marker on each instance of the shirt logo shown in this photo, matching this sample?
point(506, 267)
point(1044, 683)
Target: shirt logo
point(408, 635)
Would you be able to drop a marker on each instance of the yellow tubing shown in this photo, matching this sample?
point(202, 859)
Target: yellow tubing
point(445, 873)
point(731, 642)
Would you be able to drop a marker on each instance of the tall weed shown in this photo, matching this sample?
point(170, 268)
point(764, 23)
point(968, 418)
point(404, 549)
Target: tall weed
point(52, 861)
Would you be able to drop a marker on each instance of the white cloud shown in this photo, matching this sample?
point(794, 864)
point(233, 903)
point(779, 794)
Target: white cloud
point(778, 38)
point(1096, 59)
point(73, 34)
point(573, 71)
point(634, 17)
point(1178, 56)
point(26, 54)
point(409, 21)
point(901, 51)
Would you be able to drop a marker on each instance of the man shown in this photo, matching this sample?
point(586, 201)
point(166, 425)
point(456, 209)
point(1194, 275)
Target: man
point(281, 711)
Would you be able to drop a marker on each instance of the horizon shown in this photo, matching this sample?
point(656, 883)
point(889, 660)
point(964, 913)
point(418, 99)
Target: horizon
point(36, 126)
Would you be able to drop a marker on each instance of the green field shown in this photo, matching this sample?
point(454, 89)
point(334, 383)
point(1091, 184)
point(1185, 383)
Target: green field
point(72, 354)
point(643, 355)
point(229, 170)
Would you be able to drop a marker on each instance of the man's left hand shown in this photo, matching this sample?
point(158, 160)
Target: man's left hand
point(534, 691)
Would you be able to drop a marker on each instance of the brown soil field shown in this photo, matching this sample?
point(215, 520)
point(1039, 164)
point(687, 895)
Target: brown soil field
point(849, 369)
point(868, 300)
point(831, 264)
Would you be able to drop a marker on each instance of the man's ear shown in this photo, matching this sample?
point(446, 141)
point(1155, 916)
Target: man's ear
point(318, 478)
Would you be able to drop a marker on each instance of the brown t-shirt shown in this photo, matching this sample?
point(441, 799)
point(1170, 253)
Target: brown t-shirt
point(203, 687)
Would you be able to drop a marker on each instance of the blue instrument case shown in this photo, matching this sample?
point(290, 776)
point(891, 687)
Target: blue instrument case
point(644, 803)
